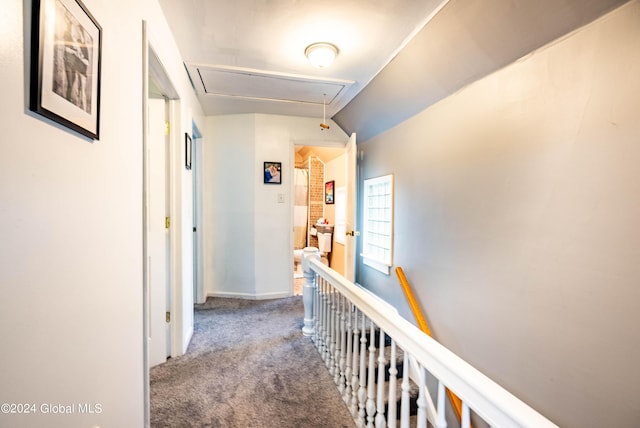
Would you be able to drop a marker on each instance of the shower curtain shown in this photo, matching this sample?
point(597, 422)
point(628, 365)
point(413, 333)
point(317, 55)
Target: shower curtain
point(300, 201)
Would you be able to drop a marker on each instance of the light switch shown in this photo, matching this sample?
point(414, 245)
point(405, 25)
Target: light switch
point(281, 198)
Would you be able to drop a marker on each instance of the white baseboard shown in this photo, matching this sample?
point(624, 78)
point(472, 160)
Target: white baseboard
point(187, 340)
point(249, 296)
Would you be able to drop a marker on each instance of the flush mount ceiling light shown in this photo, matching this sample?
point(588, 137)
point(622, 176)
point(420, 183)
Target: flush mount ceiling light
point(321, 55)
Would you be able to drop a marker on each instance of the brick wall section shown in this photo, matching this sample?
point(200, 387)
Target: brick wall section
point(316, 195)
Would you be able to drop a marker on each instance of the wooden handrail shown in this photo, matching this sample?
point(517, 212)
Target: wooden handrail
point(456, 403)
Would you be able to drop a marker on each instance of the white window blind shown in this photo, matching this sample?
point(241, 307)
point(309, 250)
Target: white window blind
point(377, 244)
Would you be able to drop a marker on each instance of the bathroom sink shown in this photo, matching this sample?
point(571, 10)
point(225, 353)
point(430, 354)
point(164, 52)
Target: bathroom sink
point(324, 228)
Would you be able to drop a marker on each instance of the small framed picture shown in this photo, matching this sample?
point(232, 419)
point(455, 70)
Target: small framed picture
point(187, 150)
point(66, 44)
point(273, 173)
point(329, 192)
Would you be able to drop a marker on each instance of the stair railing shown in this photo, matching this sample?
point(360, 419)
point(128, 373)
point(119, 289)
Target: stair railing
point(351, 327)
point(455, 401)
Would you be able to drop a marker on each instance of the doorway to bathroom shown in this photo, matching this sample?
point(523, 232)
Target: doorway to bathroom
point(316, 170)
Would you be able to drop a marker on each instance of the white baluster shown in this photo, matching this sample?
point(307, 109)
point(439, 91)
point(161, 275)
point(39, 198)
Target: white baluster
point(332, 329)
point(318, 314)
point(422, 399)
point(380, 421)
point(430, 408)
point(442, 421)
point(404, 404)
point(362, 391)
point(343, 344)
point(466, 416)
point(348, 361)
point(354, 370)
point(326, 323)
point(371, 394)
point(338, 339)
point(308, 290)
point(393, 377)
point(321, 319)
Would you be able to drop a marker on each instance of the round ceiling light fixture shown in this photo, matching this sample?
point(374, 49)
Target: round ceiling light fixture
point(321, 55)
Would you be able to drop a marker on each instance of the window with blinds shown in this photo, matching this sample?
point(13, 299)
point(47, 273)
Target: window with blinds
point(377, 244)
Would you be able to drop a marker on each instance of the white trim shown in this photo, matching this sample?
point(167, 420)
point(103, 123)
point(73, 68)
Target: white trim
point(381, 301)
point(495, 405)
point(340, 215)
point(186, 339)
point(376, 264)
point(383, 228)
point(249, 296)
point(145, 265)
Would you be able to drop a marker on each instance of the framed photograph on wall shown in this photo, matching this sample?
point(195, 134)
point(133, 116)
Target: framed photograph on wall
point(273, 173)
point(66, 44)
point(329, 188)
point(187, 150)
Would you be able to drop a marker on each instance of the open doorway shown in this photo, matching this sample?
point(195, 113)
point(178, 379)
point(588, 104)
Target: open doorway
point(316, 169)
point(198, 226)
point(158, 241)
point(160, 288)
point(158, 245)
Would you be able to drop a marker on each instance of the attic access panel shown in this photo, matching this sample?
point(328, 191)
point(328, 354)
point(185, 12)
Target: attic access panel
point(261, 85)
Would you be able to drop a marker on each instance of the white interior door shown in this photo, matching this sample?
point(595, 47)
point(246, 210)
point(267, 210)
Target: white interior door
point(158, 234)
point(351, 152)
point(194, 181)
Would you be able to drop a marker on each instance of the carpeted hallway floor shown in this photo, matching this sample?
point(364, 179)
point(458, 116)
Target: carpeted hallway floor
point(248, 366)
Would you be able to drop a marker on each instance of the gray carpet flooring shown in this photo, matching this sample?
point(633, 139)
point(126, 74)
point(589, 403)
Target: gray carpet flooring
point(248, 366)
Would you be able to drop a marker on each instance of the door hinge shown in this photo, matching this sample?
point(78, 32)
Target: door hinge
point(167, 128)
point(167, 222)
point(194, 228)
point(168, 316)
point(352, 233)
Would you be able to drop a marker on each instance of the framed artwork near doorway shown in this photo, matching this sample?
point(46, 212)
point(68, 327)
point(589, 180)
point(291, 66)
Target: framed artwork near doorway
point(272, 173)
point(66, 45)
point(329, 187)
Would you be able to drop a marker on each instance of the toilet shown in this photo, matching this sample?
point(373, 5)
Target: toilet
point(324, 234)
point(297, 259)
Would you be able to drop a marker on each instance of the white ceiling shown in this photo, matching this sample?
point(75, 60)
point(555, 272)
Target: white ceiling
point(397, 57)
point(247, 56)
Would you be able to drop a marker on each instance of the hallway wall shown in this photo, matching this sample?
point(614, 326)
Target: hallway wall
point(249, 236)
point(517, 202)
point(71, 275)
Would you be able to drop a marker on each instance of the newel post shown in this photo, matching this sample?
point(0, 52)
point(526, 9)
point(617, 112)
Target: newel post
point(309, 289)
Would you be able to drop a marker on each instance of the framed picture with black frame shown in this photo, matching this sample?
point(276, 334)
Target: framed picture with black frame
point(329, 188)
point(272, 172)
point(66, 51)
point(187, 150)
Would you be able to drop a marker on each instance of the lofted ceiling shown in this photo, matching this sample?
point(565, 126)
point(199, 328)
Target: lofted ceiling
point(247, 56)
point(396, 57)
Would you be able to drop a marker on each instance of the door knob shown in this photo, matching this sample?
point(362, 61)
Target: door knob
point(352, 233)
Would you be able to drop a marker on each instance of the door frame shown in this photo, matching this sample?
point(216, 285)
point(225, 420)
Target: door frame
point(351, 178)
point(198, 212)
point(151, 65)
point(353, 194)
point(158, 263)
